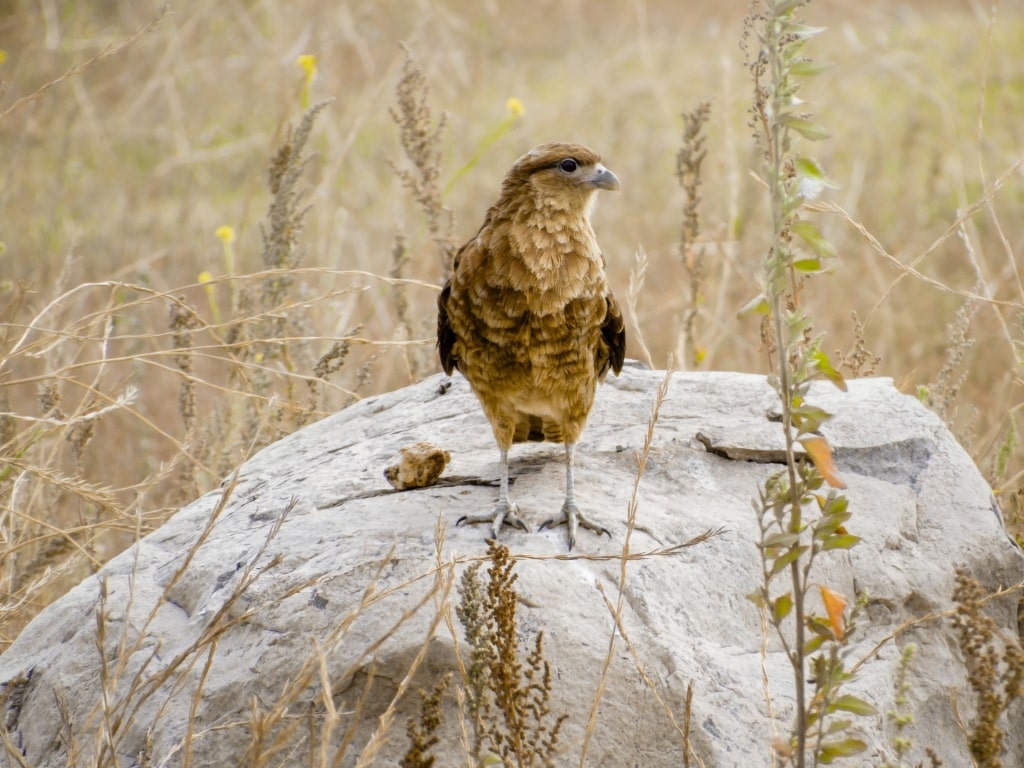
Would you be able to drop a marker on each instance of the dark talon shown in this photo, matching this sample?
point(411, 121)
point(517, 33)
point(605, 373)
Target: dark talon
point(504, 514)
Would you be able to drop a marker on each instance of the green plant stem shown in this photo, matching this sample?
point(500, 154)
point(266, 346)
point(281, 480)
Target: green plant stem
point(776, 264)
point(796, 522)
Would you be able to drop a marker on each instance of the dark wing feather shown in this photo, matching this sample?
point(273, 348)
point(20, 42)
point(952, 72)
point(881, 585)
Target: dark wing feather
point(445, 334)
point(613, 331)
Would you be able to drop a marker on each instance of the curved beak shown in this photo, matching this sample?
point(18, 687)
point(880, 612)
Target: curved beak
point(602, 178)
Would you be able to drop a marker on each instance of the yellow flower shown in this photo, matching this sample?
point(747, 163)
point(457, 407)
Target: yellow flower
point(515, 106)
point(3, 55)
point(226, 235)
point(308, 63)
point(515, 111)
point(206, 280)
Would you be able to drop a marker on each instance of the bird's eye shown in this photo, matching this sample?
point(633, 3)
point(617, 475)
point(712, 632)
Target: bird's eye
point(568, 165)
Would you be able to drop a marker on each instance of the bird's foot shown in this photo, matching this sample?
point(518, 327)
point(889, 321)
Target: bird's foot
point(503, 514)
point(572, 518)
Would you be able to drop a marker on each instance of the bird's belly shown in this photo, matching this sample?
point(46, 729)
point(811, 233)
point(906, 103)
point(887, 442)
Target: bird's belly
point(534, 403)
point(548, 386)
point(539, 364)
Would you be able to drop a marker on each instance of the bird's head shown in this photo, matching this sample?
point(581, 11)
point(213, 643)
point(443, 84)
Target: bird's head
point(561, 175)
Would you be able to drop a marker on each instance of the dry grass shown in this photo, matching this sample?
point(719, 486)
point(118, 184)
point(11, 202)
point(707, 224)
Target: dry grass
point(130, 330)
point(996, 669)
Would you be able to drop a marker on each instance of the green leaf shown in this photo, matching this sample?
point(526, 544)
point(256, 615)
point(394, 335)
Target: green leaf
point(804, 31)
point(820, 626)
point(808, 68)
point(855, 706)
point(756, 598)
point(828, 524)
point(790, 53)
point(780, 540)
point(787, 558)
point(816, 241)
point(808, 266)
point(812, 481)
point(798, 323)
point(782, 606)
point(835, 726)
point(824, 364)
point(792, 202)
point(836, 504)
point(807, 168)
point(813, 644)
point(809, 130)
point(808, 418)
point(785, 7)
point(844, 748)
point(756, 306)
point(840, 541)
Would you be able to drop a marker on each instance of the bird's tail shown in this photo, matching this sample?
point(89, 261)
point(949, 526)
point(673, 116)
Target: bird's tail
point(536, 429)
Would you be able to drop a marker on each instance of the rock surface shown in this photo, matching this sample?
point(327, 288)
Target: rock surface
point(250, 606)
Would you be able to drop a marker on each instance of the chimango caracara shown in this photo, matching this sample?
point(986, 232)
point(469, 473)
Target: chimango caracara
point(528, 317)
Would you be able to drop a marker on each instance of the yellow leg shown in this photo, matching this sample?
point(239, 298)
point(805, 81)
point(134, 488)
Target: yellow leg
point(505, 513)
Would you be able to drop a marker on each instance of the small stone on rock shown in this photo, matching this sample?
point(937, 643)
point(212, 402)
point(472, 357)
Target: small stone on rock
point(419, 466)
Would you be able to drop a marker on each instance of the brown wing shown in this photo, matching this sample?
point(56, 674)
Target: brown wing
point(445, 334)
point(613, 331)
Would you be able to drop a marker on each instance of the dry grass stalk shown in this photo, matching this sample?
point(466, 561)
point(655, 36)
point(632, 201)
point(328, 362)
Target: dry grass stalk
point(637, 276)
point(423, 733)
point(161, 244)
point(688, 171)
point(42, 473)
point(995, 670)
point(78, 69)
point(421, 139)
point(941, 396)
point(508, 701)
point(285, 219)
point(859, 361)
point(616, 610)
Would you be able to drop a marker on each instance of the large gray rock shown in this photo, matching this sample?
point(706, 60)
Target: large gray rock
point(262, 611)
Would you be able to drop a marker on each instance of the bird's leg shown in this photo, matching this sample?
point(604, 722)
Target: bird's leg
point(505, 513)
point(570, 514)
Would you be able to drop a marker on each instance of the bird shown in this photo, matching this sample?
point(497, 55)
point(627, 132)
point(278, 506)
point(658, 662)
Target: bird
point(528, 318)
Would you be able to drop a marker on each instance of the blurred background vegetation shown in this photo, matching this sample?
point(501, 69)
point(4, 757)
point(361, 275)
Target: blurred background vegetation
point(145, 351)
